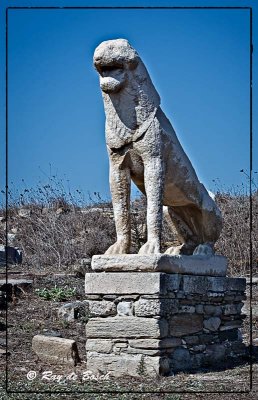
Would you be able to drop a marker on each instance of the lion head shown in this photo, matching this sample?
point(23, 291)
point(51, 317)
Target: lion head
point(130, 98)
point(112, 59)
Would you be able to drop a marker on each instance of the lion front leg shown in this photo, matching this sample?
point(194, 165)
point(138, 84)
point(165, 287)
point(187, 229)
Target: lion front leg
point(154, 183)
point(120, 185)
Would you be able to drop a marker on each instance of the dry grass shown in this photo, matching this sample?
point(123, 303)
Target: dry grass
point(59, 229)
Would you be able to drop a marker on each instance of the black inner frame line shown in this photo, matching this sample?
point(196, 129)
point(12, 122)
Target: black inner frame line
point(250, 173)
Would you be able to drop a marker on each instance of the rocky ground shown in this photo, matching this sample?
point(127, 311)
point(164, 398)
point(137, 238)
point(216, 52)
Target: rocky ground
point(29, 314)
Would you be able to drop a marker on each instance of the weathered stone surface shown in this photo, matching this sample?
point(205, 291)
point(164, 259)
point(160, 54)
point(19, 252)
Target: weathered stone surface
point(215, 353)
point(212, 324)
point(126, 364)
point(191, 340)
point(127, 297)
point(230, 325)
point(237, 348)
point(130, 327)
point(136, 123)
point(236, 284)
point(110, 297)
point(231, 309)
point(212, 310)
point(215, 296)
point(169, 283)
point(199, 309)
point(185, 324)
point(147, 307)
point(149, 352)
point(71, 311)
point(155, 307)
point(130, 283)
point(122, 283)
point(155, 343)
point(101, 308)
point(125, 262)
point(198, 348)
point(197, 360)
point(187, 309)
point(99, 345)
point(170, 342)
point(180, 360)
point(203, 284)
point(207, 338)
point(55, 350)
point(125, 308)
point(121, 345)
point(230, 335)
point(145, 343)
point(192, 265)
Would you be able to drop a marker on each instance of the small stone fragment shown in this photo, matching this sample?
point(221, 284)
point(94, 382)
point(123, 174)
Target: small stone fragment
point(55, 350)
point(125, 308)
point(212, 324)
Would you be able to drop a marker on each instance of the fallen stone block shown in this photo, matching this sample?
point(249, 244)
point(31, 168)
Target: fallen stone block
point(71, 311)
point(14, 286)
point(55, 350)
point(11, 255)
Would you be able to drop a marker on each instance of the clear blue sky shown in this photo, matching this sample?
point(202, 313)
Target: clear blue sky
point(197, 59)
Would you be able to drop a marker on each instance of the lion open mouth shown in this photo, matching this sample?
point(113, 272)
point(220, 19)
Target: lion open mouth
point(112, 77)
point(109, 84)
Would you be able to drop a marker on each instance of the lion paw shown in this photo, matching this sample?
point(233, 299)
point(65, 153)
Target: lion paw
point(184, 249)
point(204, 250)
point(174, 250)
point(151, 247)
point(119, 247)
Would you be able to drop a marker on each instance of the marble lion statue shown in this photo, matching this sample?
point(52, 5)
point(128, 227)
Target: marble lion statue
point(143, 147)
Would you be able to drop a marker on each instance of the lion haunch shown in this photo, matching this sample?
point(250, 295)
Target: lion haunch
point(143, 146)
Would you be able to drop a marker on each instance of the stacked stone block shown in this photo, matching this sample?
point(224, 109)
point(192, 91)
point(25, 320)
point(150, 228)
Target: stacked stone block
point(157, 323)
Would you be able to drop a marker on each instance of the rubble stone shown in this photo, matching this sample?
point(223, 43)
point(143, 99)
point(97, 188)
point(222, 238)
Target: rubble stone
point(55, 350)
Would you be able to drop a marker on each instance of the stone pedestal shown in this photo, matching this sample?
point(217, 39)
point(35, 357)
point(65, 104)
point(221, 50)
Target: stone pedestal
point(154, 322)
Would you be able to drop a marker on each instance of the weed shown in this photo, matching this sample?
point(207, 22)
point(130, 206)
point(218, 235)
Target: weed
point(141, 368)
point(60, 229)
point(56, 294)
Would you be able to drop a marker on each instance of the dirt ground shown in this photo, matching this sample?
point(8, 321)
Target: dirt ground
point(29, 314)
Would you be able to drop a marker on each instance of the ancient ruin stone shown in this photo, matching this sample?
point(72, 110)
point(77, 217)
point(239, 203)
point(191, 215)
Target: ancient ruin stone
point(185, 324)
point(129, 327)
point(212, 324)
point(142, 144)
point(55, 350)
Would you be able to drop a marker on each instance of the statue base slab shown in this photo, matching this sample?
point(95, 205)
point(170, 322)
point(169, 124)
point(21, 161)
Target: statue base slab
point(156, 323)
point(215, 265)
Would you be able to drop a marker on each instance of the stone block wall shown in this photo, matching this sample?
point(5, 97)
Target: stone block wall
point(157, 323)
